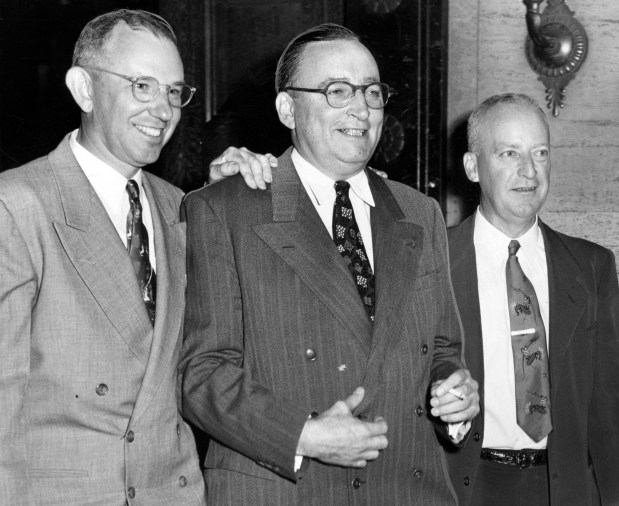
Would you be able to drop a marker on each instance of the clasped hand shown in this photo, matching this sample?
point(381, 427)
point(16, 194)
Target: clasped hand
point(337, 437)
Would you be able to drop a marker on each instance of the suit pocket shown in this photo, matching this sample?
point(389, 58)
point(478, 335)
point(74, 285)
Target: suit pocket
point(57, 473)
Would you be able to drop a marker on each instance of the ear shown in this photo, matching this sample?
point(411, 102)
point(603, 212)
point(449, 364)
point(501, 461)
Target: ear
point(285, 109)
point(470, 166)
point(79, 83)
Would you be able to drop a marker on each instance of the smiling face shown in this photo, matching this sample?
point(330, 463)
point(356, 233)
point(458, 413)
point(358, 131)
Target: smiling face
point(338, 142)
point(512, 167)
point(120, 130)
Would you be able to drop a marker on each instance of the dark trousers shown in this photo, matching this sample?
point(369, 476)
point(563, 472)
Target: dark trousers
point(505, 485)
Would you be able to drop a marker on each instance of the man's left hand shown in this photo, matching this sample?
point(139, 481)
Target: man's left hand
point(447, 405)
point(255, 168)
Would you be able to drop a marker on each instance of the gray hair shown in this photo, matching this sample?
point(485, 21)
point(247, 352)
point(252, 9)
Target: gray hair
point(289, 61)
point(97, 31)
point(481, 112)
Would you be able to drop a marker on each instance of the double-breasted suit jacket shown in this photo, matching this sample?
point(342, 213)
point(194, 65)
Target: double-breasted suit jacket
point(275, 329)
point(87, 385)
point(583, 447)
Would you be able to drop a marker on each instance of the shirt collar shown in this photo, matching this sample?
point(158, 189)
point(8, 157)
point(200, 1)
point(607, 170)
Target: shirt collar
point(321, 185)
point(493, 240)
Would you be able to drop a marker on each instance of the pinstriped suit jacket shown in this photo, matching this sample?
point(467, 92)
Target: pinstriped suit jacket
point(265, 285)
point(72, 319)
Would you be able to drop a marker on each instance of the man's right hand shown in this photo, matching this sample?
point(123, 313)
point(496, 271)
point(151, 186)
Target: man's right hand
point(337, 437)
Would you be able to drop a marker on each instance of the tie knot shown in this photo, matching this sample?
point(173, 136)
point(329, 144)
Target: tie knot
point(513, 247)
point(341, 187)
point(133, 189)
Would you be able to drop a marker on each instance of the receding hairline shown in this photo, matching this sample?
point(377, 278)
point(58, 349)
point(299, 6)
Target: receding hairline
point(491, 107)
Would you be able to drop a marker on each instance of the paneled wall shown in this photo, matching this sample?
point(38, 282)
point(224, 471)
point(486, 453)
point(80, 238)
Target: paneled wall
point(486, 56)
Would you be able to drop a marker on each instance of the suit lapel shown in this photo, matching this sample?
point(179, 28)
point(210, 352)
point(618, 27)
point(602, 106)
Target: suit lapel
point(464, 279)
point(567, 300)
point(397, 243)
point(298, 236)
point(169, 247)
point(97, 253)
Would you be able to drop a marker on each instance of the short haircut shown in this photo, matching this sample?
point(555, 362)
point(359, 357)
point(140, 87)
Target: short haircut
point(96, 33)
point(480, 113)
point(289, 61)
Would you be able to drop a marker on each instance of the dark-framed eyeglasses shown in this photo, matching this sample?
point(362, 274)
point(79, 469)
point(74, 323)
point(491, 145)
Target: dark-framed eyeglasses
point(146, 89)
point(340, 93)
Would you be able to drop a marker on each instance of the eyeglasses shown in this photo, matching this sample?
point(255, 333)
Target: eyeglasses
point(146, 89)
point(340, 93)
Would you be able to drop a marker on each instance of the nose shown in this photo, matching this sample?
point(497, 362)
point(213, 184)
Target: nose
point(358, 106)
point(527, 168)
point(160, 105)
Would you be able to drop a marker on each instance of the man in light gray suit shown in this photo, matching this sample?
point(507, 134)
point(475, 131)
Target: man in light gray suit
point(314, 382)
point(88, 349)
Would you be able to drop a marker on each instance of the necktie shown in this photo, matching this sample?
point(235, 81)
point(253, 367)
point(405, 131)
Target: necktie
point(529, 350)
point(350, 245)
point(137, 245)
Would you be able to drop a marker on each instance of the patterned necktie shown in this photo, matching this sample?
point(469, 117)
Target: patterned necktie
point(137, 245)
point(530, 351)
point(350, 245)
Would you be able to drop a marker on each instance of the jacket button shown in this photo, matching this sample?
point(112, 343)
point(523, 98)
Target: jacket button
point(419, 411)
point(467, 481)
point(178, 429)
point(102, 389)
point(130, 436)
point(424, 349)
point(130, 492)
point(310, 354)
point(417, 473)
point(356, 483)
point(182, 481)
point(476, 436)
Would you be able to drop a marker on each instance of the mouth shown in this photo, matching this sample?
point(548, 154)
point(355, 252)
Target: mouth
point(352, 132)
point(150, 131)
point(526, 189)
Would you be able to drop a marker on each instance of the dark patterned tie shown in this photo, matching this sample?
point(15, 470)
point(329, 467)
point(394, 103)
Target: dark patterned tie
point(350, 244)
point(530, 351)
point(137, 245)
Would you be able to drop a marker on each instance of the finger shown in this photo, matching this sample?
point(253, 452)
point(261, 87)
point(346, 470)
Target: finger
point(452, 381)
point(355, 398)
point(272, 160)
point(219, 171)
point(459, 416)
point(377, 428)
point(267, 173)
point(258, 164)
point(358, 463)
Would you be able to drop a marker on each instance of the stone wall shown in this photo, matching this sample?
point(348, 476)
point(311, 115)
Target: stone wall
point(486, 56)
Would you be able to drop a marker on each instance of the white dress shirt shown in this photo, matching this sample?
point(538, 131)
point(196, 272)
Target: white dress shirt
point(321, 192)
point(110, 186)
point(320, 189)
point(491, 251)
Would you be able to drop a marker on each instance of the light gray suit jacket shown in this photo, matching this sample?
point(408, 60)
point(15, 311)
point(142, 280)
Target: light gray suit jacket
point(88, 411)
point(275, 329)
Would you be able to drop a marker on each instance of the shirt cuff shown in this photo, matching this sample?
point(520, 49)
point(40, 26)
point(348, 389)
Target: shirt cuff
point(457, 431)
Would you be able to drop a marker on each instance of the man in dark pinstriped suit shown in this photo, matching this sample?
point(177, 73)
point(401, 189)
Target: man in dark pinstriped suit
point(275, 329)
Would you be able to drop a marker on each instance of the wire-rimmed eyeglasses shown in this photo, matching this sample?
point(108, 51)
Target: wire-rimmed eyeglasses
point(340, 93)
point(146, 88)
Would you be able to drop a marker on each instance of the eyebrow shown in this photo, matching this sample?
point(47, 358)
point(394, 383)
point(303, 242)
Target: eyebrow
point(329, 80)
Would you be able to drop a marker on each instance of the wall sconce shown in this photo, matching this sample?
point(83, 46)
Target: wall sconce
point(556, 47)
